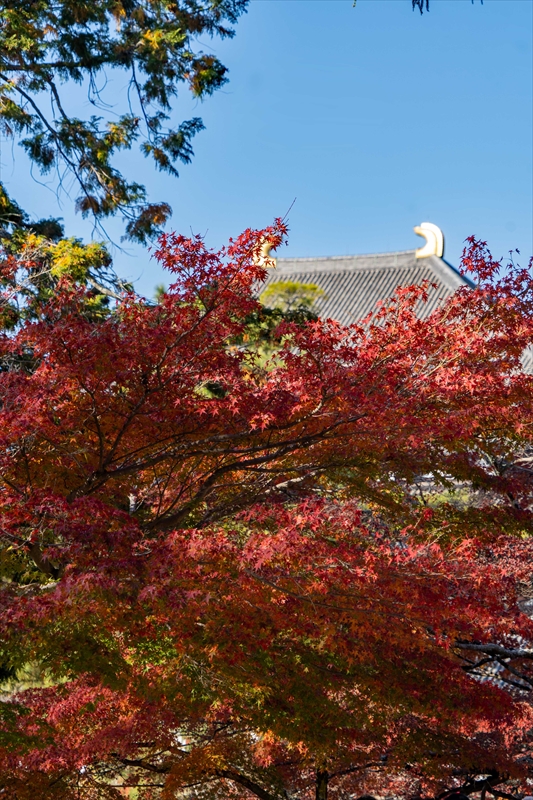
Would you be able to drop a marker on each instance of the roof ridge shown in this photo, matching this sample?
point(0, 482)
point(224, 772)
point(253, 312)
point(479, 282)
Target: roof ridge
point(339, 258)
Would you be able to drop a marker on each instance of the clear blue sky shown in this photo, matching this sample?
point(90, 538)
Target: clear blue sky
point(374, 118)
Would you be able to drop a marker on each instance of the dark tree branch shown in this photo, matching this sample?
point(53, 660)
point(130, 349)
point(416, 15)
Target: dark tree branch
point(247, 783)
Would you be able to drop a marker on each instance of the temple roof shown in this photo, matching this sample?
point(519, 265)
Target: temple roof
point(353, 285)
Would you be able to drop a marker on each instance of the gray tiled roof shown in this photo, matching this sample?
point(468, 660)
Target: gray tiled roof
point(353, 285)
point(527, 361)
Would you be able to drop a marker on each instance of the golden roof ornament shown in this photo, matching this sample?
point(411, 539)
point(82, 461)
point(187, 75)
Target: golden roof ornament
point(434, 237)
point(263, 257)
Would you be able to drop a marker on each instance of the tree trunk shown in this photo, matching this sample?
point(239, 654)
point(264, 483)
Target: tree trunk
point(321, 784)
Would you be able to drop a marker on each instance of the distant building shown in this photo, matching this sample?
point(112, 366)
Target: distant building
point(353, 285)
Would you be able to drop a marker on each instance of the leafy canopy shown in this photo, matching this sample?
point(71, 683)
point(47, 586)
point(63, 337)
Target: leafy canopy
point(245, 592)
point(290, 296)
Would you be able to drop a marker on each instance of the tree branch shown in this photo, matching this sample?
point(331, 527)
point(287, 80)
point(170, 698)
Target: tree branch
point(495, 649)
point(247, 783)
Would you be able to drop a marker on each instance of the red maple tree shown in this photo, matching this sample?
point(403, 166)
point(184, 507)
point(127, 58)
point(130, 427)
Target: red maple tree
point(229, 579)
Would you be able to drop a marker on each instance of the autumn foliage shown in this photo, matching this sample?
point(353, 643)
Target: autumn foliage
point(225, 578)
